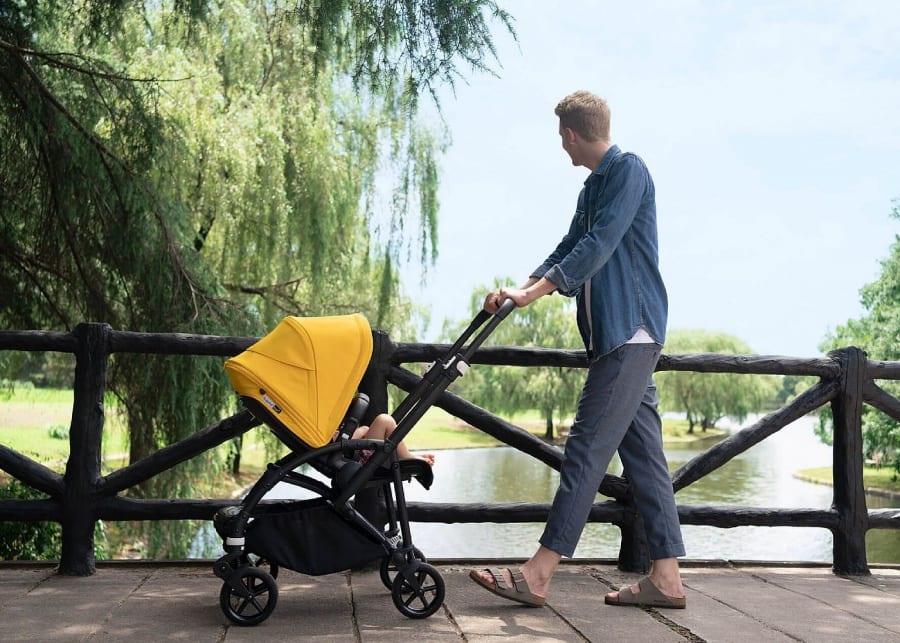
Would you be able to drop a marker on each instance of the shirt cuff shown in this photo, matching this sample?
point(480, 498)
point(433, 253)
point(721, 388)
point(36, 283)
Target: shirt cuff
point(557, 278)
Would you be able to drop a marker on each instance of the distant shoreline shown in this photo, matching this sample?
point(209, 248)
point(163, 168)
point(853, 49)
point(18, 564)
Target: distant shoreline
point(874, 491)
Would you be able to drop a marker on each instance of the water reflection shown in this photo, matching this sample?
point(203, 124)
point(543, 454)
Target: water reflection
point(760, 477)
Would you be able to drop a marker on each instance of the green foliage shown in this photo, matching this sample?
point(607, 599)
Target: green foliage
point(548, 322)
point(37, 540)
point(876, 333)
point(58, 432)
point(792, 386)
point(27, 540)
point(706, 398)
point(209, 166)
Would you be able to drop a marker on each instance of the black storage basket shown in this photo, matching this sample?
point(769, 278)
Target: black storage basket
point(309, 536)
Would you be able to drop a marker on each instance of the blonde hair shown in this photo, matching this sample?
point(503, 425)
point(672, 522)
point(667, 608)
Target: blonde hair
point(586, 114)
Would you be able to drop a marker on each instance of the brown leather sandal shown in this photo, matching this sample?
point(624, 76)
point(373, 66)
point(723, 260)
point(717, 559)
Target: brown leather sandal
point(519, 592)
point(649, 596)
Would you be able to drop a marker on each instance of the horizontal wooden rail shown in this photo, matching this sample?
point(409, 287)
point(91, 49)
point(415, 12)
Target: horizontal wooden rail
point(82, 496)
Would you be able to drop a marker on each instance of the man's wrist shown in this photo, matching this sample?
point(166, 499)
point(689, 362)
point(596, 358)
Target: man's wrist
point(540, 288)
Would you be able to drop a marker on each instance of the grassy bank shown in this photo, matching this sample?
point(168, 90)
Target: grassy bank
point(883, 479)
point(440, 430)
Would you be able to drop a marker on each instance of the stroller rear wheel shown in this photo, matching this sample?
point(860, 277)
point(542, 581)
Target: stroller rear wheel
point(254, 602)
point(389, 568)
point(420, 593)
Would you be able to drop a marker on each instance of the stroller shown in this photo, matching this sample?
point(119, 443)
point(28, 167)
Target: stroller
point(301, 381)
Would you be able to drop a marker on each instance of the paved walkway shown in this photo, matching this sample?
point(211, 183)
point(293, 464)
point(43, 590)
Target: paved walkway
point(143, 602)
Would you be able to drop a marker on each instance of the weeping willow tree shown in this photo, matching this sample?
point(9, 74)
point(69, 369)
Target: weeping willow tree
point(209, 166)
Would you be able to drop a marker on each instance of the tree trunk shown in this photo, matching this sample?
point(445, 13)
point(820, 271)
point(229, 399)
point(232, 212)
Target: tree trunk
point(548, 434)
point(237, 444)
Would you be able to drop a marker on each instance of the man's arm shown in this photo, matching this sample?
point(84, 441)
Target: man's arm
point(534, 288)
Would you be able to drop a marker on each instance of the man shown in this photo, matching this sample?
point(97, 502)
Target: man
point(609, 260)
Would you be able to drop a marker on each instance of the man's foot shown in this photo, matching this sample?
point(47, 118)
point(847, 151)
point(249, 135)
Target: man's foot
point(507, 583)
point(645, 592)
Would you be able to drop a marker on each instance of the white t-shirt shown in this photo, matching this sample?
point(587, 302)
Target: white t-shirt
point(641, 337)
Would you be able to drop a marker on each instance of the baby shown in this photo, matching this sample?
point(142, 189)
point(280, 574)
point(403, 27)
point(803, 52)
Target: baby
point(381, 429)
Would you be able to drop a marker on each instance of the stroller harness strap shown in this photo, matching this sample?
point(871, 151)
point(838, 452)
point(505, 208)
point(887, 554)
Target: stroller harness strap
point(305, 372)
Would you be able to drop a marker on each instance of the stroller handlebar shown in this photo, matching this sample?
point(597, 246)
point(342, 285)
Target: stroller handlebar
point(483, 316)
point(493, 320)
point(505, 309)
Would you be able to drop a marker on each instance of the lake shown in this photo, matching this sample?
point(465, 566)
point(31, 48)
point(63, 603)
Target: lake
point(761, 477)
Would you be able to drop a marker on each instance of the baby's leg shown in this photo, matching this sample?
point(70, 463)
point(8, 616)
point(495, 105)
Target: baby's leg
point(382, 427)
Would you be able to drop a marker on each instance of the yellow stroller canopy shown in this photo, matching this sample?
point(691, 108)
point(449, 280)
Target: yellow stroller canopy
point(306, 372)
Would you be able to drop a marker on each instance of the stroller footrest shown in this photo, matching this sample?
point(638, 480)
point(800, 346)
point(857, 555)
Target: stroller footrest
point(409, 468)
point(418, 469)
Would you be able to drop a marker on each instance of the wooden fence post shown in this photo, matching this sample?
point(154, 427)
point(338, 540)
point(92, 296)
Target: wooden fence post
point(85, 435)
point(849, 492)
point(634, 552)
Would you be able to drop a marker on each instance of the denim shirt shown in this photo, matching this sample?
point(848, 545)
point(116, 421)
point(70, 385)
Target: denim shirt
point(609, 258)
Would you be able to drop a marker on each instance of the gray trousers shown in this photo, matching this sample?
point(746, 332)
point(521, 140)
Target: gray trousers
point(617, 411)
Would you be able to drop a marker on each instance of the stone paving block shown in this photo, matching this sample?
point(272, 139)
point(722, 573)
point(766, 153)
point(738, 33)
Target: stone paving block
point(481, 616)
point(704, 617)
point(887, 580)
point(778, 608)
point(711, 620)
point(576, 594)
point(68, 607)
point(844, 594)
point(170, 605)
point(15, 582)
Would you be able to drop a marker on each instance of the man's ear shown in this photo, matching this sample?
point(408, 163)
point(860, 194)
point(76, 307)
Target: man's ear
point(570, 134)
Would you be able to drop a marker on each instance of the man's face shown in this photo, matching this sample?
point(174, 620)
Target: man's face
point(569, 143)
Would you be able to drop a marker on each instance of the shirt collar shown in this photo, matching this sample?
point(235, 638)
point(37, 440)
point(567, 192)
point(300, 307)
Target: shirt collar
point(605, 162)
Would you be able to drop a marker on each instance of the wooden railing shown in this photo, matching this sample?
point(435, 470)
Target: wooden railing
point(82, 495)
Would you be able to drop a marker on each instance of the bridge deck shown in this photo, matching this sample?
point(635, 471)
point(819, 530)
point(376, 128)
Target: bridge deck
point(726, 602)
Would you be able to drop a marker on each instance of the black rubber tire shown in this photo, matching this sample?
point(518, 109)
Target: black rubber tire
point(388, 570)
point(422, 597)
point(257, 605)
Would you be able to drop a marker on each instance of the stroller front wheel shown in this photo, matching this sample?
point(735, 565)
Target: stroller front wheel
point(388, 567)
point(253, 601)
point(420, 593)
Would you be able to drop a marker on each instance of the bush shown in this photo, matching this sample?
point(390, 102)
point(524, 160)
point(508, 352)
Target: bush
point(58, 432)
point(27, 540)
point(38, 540)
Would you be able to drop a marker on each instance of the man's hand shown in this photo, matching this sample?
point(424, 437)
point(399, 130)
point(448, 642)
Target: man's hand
point(493, 301)
point(534, 289)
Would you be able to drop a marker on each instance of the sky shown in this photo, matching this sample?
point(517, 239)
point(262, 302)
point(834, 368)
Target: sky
point(771, 129)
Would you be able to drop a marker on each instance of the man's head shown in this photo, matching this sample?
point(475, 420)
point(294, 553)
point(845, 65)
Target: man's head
point(584, 128)
point(586, 114)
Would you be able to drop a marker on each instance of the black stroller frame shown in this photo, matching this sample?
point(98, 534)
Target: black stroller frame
point(328, 534)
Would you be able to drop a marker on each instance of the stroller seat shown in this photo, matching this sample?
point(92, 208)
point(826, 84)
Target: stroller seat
point(301, 381)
